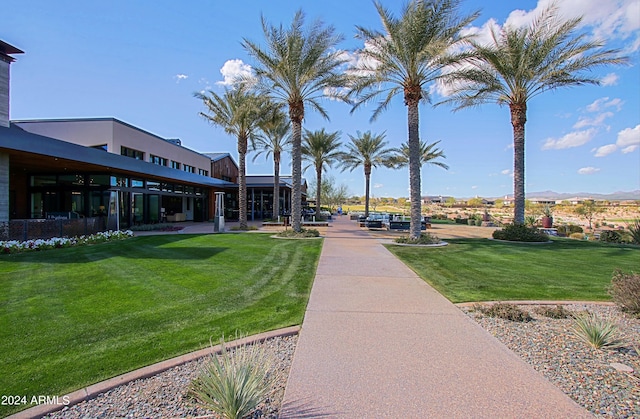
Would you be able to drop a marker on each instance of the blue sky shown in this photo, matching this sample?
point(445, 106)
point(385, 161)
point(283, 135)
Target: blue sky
point(142, 61)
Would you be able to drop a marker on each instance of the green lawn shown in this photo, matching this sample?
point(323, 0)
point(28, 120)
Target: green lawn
point(485, 270)
point(71, 317)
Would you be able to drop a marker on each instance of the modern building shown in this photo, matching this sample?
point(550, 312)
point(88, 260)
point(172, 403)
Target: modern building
point(112, 173)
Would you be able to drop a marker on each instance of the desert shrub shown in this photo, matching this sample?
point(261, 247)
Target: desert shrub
point(577, 236)
point(304, 233)
point(505, 311)
point(557, 312)
point(610, 236)
point(234, 383)
point(596, 332)
point(570, 229)
point(425, 238)
point(521, 233)
point(625, 291)
point(238, 228)
point(634, 231)
point(462, 221)
point(478, 223)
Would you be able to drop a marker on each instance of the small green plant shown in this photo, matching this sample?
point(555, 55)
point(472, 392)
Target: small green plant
point(520, 232)
point(610, 236)
point(304, 233)
point(625, 291)
point(505, 311)
point(557, 312)
point(233, 383)
point(634, 231)
point(597, 332)
point(425, 238)
point(530, 220)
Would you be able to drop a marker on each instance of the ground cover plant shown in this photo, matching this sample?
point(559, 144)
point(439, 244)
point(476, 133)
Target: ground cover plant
point(486, 270)
point(76, 316)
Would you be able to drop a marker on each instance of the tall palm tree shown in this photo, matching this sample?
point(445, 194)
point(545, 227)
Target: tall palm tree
point(367, 150)
point(275, 138)
point(428, 154)
point(321, 149)
point(238, 111)
point(297, 68)
point(520, 63)
point(403, 59)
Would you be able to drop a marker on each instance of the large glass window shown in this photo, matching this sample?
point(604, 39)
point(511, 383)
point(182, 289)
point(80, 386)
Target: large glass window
point(175, 165)
point(40, 180)
point(122, 182)
point(188, 168)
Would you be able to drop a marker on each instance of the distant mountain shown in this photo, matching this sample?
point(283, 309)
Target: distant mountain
point(615, 196)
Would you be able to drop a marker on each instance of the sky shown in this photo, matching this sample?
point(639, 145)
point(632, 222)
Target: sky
point(142, 61)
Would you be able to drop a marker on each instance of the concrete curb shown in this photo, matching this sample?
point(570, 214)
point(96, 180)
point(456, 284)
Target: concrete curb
point(94, 390)
point(537, 302)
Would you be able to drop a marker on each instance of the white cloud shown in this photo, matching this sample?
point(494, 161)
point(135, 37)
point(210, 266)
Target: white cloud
point(573, 139)
point(610, 19)
point(592, 122)
point(629, 137)
point(603, 103)
point(505, 172)
point(588, 170)
point(232, 70)
point(605, 150)
point(378, 185)
point(610, 79)
point(180, 77)
point(628, 141)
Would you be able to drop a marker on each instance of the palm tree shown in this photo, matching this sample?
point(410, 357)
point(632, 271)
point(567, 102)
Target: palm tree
point(321, 150)
point(367, 150)
point(428, 153)
point(276, 138)
point(238, 112)
point(297, 68)
point(409, 54)
point(520, 63)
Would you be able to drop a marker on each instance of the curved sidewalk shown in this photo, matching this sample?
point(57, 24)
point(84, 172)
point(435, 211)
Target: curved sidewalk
point(378, 342)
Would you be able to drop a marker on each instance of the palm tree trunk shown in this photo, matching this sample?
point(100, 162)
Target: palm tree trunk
point(276, 185)
point(518, 120)
point(296, 173)
point(414, 169)
point(318, 188)
point(367, 184)
point(242, 182)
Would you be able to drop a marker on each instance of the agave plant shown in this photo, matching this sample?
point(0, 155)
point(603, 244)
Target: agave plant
point(235, 382)
point(597, 332)
point(634, 230)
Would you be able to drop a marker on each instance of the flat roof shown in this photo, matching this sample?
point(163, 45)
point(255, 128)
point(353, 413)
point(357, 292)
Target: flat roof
point(7, 49)
point(40, 154)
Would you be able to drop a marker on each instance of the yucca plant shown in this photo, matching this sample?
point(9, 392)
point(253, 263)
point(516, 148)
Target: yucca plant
point(233, 383)
point(634, 231)
point(597, 332)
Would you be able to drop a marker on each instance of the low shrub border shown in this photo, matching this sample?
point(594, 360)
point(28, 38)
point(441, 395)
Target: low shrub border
point(15, 246)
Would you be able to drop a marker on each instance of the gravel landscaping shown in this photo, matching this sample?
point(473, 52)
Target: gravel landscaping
point(583, 373)
point(591, 377)
point(165, 395)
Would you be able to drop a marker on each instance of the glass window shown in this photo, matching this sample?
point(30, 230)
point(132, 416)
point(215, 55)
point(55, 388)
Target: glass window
point(40, 180)
point(71, 180)
point(153, 186)
point(99, 180)
point(137, 183)
point(130, 152)
point(175, 165)
point(160, 161)
point(123, 182)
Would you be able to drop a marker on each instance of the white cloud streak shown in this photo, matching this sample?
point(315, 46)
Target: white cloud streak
point(573, 139)
point(588, 170)
point(233, 70)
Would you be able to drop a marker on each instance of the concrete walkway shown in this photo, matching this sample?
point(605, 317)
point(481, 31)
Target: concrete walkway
point(378, 342)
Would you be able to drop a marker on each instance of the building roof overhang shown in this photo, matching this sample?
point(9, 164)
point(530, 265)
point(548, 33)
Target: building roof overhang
point(39, 154)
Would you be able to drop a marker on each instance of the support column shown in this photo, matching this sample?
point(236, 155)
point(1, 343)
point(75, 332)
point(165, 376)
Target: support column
point(4, 187)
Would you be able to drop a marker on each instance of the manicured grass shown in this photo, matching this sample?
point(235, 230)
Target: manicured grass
point(486, 270)
point(72, 317)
